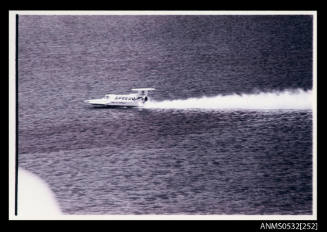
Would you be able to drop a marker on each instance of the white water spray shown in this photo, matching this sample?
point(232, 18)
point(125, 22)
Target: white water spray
point(297, 99)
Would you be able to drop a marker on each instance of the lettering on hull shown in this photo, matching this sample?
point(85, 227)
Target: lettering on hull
point(131, 100)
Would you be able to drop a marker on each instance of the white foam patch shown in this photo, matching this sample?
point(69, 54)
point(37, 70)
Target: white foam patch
point(288, 99)
point(35, 199)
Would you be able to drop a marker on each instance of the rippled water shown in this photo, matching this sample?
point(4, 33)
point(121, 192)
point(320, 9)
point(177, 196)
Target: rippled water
point(168, 159)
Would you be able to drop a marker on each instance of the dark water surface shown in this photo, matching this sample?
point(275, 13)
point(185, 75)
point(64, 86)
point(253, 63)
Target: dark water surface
point(166, 161)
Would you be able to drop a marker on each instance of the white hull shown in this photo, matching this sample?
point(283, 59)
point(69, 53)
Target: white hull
point(130, 100)
point(98, 102)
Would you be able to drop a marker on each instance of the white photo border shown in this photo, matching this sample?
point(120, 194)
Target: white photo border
point(13, 123)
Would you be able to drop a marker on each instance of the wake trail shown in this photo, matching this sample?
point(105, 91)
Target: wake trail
point(297, 99)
